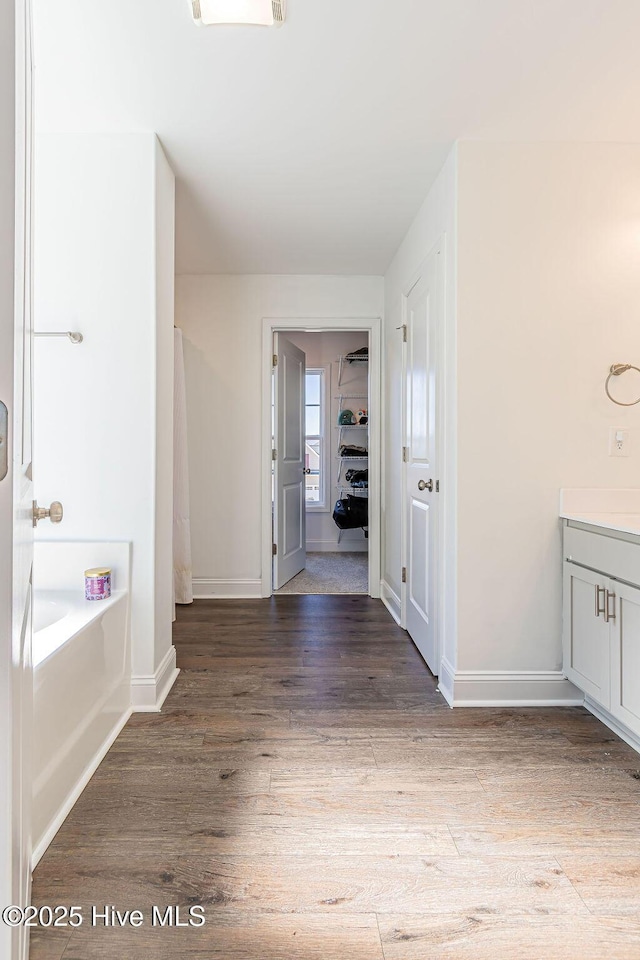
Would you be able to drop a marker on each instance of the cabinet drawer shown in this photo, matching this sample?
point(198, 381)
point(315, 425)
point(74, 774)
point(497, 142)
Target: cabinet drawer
point(615, 558)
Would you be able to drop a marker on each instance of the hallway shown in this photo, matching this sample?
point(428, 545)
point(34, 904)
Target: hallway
point(306, 783)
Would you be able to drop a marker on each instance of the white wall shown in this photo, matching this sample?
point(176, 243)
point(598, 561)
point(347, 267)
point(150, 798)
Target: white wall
point(323, 350)
point(543, 288)
point(221, 318)
point(104, 266)
point(549, 296)
point(164, 212)
point(435, 221)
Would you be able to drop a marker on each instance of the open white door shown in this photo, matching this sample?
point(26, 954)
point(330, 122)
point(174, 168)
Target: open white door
point(289, 507)
point(422, 318)
point(16, 498)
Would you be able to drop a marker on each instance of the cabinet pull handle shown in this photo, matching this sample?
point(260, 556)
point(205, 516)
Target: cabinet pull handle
point(608, 615)
point(599, 609)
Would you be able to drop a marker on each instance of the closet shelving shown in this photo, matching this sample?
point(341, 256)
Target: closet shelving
point(342, 398)
point(352, 491)
point(346, 401)
point(348, 360)
point(349, 426)
point(343, 460)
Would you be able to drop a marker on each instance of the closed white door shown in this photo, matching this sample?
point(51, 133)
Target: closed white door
point(289, 508)
point(421, 474)
point(16, 496)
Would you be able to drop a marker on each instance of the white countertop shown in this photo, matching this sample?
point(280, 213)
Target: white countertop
point(623, 522)
point(613, 509)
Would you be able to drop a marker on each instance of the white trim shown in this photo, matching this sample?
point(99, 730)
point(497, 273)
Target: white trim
point(75, 792)
point(403, 466)
point(446, 680)
point(617, 726)
point(332, 546)
point(227, 589)
point(372, 325)
point(391, 601)
point(16, 204)
point(507, 688)
point(148, 693)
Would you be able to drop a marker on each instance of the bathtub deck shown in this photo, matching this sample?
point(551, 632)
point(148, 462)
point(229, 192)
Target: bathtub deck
point(308, 785)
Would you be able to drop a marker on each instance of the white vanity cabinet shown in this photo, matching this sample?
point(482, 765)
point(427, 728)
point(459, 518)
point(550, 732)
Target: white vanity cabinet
point(625, 657)
point(601, 631)
point(587, 635)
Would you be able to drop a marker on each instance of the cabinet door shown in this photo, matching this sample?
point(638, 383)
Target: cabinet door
point(624, 605)
point(586, 639)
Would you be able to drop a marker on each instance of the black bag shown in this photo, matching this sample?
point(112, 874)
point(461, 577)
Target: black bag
point(351, 513)
point(359, 509)
point(341, 516)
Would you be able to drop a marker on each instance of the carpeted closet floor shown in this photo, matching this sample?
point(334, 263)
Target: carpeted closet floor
point(331, 573)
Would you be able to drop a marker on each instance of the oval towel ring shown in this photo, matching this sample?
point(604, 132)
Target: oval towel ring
point(615, 370)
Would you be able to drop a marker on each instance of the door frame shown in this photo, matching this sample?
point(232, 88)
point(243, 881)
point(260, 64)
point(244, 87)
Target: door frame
point(439, 250)
point(372, 326)
point(15, 203)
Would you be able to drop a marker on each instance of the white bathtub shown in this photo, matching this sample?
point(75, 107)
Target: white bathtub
point(81, 695)
point(59, 615)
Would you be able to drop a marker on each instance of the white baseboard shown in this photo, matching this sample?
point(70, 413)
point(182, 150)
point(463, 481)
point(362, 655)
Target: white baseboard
point(74, 794)
point(446, 681)
point(506, 688)
point(617, 726)
point(148, 693)
point(227, 589)
point(332, 546)
point(391, 601)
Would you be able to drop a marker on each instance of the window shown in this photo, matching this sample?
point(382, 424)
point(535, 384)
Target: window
point(315, 416)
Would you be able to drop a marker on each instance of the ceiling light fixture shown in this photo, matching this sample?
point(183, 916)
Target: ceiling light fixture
point(263, 13)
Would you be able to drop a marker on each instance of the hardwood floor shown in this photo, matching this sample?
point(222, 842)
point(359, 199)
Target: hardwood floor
point(308, 786)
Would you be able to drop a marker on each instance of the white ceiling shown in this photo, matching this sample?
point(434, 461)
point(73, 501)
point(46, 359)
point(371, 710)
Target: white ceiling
point(310, 148)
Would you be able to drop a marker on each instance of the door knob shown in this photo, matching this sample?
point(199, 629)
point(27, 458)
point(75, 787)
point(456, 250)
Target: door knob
point(54, 512)
point(425, 485)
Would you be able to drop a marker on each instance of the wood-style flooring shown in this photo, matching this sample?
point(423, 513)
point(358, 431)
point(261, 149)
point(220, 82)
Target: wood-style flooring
point(308, 786)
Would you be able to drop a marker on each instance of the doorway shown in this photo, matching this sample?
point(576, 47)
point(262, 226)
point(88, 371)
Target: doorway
point(321, 437)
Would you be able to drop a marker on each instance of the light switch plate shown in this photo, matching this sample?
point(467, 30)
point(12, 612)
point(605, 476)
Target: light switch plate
point(618, 442)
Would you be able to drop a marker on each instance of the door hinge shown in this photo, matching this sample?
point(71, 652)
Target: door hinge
point(405, 454)
point(275, 360)
point(274, 549)
point(404, 574)
point(274, 454)
point(437, 486)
